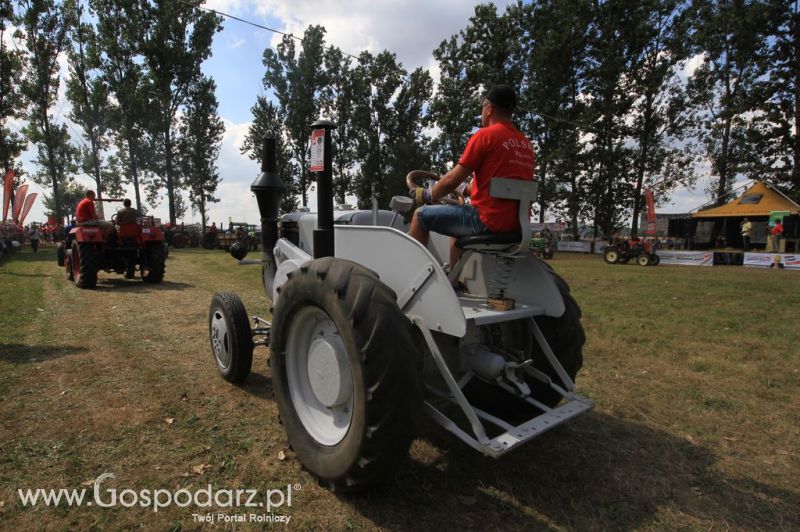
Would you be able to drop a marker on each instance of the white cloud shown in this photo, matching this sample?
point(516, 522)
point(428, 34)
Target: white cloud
point(236, 42)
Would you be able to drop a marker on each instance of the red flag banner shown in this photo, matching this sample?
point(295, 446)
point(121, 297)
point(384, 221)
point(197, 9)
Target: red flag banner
point(19, 198)
point(651, 212)
point(8, 182)
point(27, 207)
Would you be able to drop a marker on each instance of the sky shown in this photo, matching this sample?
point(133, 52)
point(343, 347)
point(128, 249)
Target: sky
point(412, 29)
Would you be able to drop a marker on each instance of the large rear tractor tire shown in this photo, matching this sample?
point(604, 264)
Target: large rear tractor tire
point(566, 337)
point(155, 263)
point(231, 337)
point(85, 264)
point(611, 256)
point(344, 370)
point(180, 240)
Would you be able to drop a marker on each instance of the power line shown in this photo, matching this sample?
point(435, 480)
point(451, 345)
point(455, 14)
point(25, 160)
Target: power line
point(273, 30)
point(255, 24)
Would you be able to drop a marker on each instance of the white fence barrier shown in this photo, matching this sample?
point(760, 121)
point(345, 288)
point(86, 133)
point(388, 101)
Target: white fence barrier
point(772, 260)
point(687, 258)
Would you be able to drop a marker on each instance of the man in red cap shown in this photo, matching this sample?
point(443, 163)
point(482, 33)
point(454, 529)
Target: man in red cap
point(498, 149)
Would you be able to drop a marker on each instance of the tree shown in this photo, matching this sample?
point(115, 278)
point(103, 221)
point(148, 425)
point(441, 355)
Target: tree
point(119, 24)
point(659, 114)
point(267, 119)
point(87, 90)
point(46, 26)
point(11, 100)
point(379, 77)
point(176, 40)
point(731, 35)
point(777, 139)
point(338, 102)
point(408, 148)
point(71, 194)
point(450, 109)
point(297, 80)
point(201, 135)
point(550, 107)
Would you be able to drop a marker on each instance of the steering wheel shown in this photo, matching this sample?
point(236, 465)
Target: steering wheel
point(454, 198)
point(114, 218)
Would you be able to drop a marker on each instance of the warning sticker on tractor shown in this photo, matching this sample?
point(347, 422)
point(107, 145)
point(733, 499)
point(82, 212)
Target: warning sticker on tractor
point(317, 150)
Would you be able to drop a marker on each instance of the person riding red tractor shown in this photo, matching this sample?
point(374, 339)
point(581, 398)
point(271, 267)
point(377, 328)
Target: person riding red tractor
point(620, 251)
point(126, 244)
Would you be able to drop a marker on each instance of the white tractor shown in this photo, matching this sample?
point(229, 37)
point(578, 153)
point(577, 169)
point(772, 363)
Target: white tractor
point(367, 331)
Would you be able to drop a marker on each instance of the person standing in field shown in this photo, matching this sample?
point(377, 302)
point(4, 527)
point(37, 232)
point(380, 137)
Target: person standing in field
point(747, 233)
point(34, 235)
point(776, 234)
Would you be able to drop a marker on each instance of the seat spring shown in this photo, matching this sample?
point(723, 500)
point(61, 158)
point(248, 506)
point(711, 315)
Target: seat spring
point(502, 278)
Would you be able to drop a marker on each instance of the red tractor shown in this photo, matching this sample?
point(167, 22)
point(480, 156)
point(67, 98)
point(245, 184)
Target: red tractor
point(621, 251)
point(130, 247)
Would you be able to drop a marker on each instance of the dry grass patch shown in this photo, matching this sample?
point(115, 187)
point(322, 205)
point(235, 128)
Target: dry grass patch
point(694, 372)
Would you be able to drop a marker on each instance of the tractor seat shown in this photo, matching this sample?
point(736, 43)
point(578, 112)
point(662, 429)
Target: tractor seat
point(129, 232)
point(489, 241)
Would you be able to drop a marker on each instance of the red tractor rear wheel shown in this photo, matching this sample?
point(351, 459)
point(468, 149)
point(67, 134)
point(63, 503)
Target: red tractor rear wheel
point(84, 264)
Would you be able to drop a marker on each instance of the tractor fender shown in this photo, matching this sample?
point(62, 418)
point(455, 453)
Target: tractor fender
point(407, 267)
point(152, 234)
point(87, 233)
point(288, 258)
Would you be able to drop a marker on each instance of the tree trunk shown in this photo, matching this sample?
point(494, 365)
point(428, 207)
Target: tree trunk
point(644, 147)
point(134, 174)
point(169, 177)
point(796, 147)
point(722, 161)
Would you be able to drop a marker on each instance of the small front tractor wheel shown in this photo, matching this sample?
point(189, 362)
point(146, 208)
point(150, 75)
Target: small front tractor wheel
point(344, 370)
point(155, 263)
point(643, 260)
point(231, 337)
point(85, 264)
point(654, 259)
point(68, 265)
point(60, 254)
point(611, 256)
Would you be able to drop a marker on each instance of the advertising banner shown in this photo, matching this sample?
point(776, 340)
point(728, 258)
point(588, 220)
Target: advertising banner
point(317, 150)
point(580, 247)
point(772, 260)
point(687, 258)
point(8, 182)
point(26, 208)
point(19, 200)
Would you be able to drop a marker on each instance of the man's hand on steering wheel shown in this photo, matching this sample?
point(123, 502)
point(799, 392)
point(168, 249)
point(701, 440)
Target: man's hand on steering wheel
point(423, 196)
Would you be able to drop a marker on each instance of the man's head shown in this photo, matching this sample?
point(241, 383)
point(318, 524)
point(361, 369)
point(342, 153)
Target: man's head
point(126, 202)
point(90, 194)
point(498, 104)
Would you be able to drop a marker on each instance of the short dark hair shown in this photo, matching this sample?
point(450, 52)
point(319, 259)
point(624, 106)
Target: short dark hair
point(502, 96)
point(126, 202)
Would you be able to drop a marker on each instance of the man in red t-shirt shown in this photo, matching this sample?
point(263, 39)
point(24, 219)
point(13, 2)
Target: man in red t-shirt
point(85, 213)
point(777, 233)
point(498, 149)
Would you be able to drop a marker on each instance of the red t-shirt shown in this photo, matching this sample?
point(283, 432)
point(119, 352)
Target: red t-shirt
point(777, 230)
point(499, 150)
point(85, 211)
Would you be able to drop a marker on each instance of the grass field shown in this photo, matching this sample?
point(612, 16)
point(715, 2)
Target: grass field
point(694, 372)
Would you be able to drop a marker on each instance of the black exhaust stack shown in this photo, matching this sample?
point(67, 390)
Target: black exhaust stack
point(322, 164)
point(269, 190)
